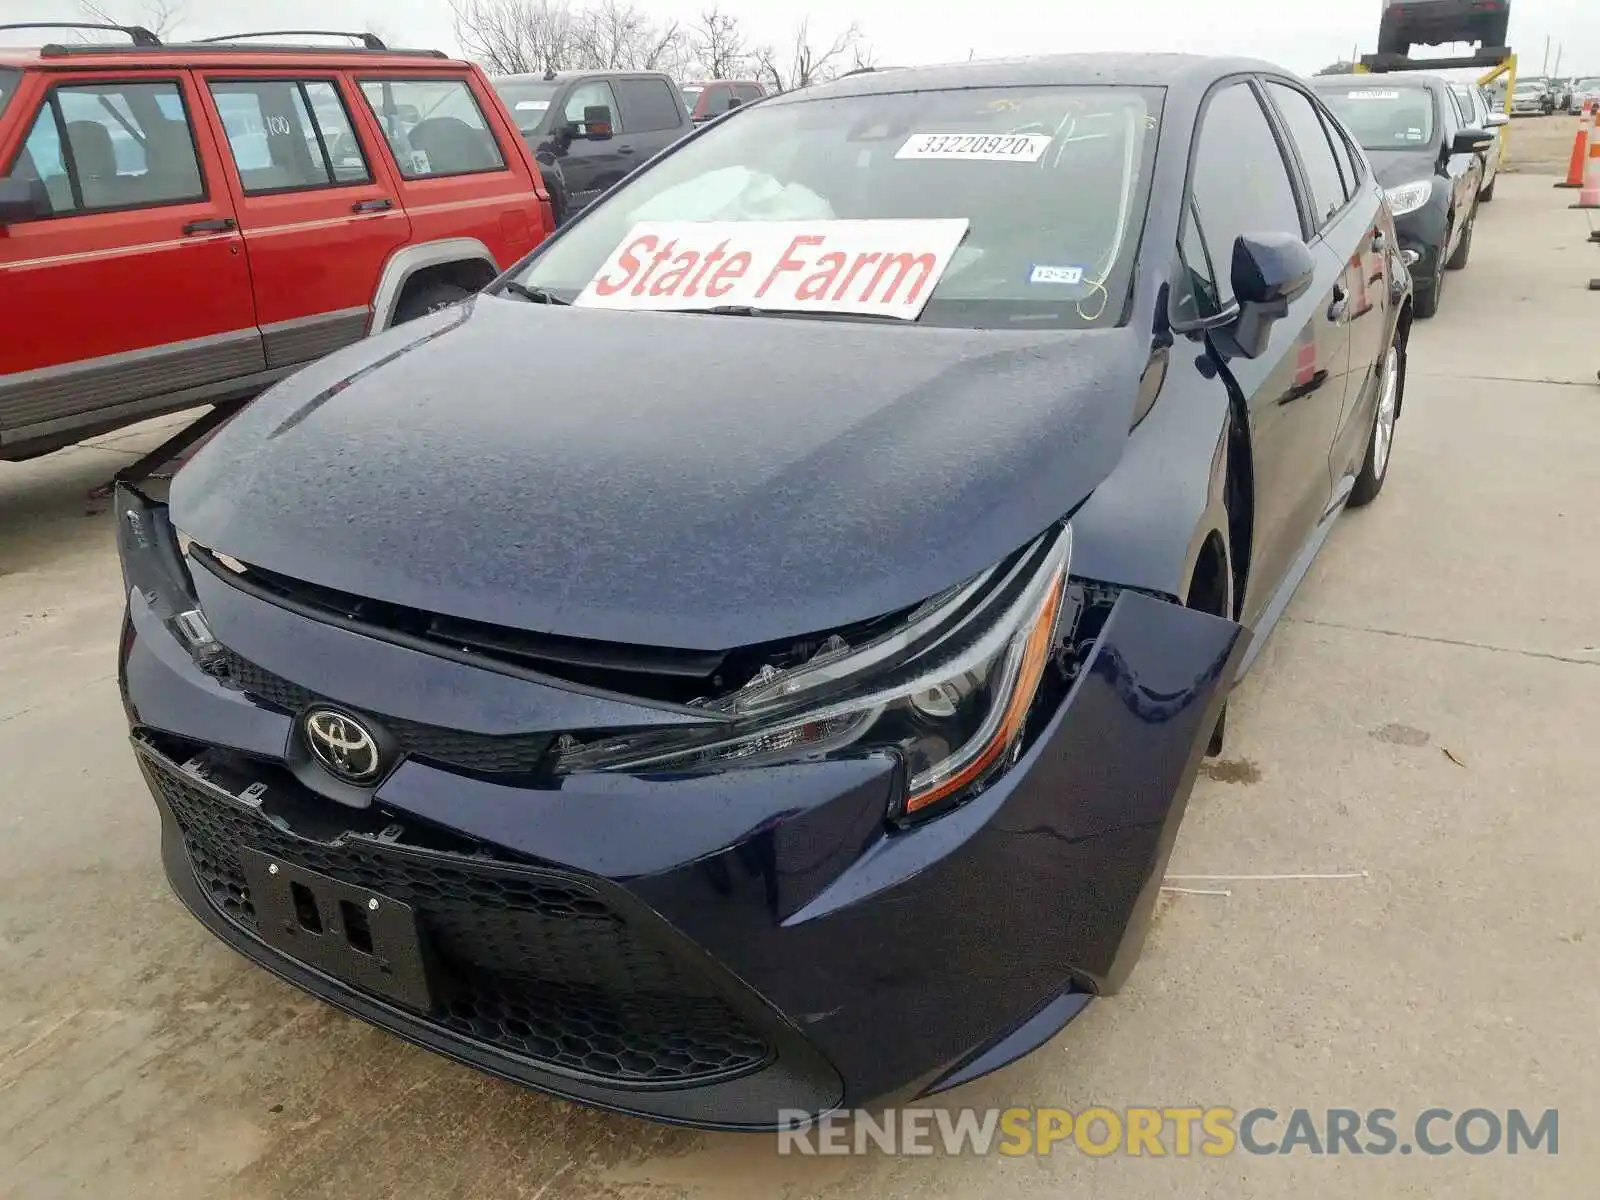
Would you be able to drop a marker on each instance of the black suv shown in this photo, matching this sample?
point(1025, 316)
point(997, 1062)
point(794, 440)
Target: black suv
point(588, 129)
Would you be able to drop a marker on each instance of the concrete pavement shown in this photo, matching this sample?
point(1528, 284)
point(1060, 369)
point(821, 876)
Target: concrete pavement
point(1426, 715)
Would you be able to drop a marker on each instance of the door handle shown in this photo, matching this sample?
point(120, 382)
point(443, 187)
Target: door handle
point(626, 149)
point(214, 225)
point(377, 205)
point(1379, 242)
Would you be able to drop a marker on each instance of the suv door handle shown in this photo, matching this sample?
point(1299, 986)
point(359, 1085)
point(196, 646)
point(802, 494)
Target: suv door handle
point(626, 149)
point(214, 225)
point(377, 205)
point(1337, 310)
point(1379, 242)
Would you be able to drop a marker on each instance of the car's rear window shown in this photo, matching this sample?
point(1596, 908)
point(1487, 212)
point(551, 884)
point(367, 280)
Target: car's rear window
point(1384, 116)
point(1052, 182)
point(8, 86)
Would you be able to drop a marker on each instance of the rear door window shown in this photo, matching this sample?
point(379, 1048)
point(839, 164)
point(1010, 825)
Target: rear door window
point(647, 105)
point(287, 135)
point(747, 92)
point(113, 145)
point(1323, 175)
point(434, 127)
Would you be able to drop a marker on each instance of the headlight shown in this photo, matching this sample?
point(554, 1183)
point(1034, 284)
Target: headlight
point(152, 555)
point(949, 691)
point(1408, 197)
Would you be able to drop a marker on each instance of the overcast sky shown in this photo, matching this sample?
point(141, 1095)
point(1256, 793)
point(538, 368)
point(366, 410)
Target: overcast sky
point(1300, 34)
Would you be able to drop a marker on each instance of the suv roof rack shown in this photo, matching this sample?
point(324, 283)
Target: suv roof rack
point(137, 33)
point(369, 41)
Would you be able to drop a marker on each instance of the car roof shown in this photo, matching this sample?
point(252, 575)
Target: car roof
point(1128, 70)
point(565, 76)
point(76, 57)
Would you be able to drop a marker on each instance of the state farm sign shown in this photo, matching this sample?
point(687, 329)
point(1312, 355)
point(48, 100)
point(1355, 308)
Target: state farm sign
point(879, 268)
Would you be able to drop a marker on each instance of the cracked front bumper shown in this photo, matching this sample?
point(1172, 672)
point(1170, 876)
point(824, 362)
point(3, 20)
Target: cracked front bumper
point(717, 949)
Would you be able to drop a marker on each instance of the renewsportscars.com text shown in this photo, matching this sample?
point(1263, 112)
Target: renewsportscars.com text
point(1173, 1132)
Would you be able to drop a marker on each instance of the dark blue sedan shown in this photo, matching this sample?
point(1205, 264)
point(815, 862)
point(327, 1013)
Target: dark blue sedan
point(754, 658)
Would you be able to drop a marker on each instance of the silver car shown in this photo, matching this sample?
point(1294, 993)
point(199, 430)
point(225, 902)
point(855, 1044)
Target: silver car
point(1528, 99)
point(1477, 111)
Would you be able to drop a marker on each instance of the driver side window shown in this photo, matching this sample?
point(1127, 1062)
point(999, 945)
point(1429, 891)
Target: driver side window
point(585, 95)
point(1240, 183)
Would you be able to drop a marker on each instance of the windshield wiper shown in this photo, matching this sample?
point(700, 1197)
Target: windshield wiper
point(534, 295)
point(746, 310)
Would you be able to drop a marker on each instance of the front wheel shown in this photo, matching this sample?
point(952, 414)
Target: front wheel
point(1488, 193)
point(1391, 389)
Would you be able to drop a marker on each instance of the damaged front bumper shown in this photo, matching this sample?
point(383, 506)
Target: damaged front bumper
point(716, 949)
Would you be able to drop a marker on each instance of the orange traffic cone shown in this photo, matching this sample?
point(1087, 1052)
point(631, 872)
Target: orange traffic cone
point(1580, 152)
point(1589, 196)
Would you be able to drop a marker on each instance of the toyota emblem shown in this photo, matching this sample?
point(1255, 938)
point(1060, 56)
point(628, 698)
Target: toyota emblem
point(343, 745)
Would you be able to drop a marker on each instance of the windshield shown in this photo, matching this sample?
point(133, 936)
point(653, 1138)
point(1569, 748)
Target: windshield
point(1384, 118)
point(1588, 85)
point(1044, 189)
point(691, 97)
point(1529, 87)
point(528, 101)
point(8, 86)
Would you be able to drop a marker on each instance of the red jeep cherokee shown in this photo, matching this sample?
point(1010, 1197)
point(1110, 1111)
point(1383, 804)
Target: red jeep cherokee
point(185, 224)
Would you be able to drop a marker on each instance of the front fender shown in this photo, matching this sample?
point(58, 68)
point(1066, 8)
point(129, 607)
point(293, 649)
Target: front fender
point(1145, 525)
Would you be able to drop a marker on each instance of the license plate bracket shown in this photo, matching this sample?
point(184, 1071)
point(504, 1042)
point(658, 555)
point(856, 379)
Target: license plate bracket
point(359, 936)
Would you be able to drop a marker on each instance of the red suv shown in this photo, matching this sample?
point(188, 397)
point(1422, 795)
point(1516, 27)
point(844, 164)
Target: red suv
point(183, 225)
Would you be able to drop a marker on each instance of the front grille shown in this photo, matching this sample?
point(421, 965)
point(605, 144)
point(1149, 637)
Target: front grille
point(489, 754)
point(534, 964)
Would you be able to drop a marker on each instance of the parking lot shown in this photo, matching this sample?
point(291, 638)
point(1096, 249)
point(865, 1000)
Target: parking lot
point(1421, 723)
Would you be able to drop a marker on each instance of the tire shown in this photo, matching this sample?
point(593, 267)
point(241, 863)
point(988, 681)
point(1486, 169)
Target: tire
point(1380, 442)
point(1458, 260)
point(428, 299)
point(1488, 193)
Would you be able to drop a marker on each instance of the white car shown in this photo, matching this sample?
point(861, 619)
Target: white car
point(1528, 99)
point(1585, 91)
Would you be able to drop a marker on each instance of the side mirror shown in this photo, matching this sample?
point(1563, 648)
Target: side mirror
point(23, 200)
point(1270, 271)
point(734, 102)
point(1471, 141)
point(1496, 119)
point(597, 122)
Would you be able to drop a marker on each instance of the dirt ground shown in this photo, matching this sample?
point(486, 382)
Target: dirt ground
point(1540, 145)
point(1424, 720)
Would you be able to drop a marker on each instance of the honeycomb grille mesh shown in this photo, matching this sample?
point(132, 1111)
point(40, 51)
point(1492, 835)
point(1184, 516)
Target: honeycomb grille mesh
point(515, 754)
point(530, 965)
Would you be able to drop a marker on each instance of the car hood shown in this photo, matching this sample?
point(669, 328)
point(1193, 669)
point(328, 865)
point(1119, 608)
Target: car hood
point(1394, 167)
point(692, 481)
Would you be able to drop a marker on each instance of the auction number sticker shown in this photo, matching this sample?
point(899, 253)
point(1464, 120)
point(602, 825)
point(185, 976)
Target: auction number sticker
point(1373, 94)
point(976, 147)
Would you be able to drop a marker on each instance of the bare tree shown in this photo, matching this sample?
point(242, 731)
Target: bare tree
point(614, 36)
point(805, 61)
point(160, 17)
point(718, 45)
point(512, 37)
